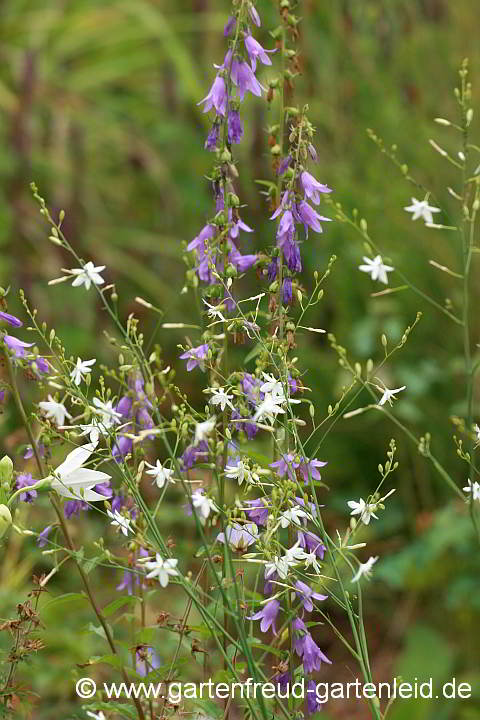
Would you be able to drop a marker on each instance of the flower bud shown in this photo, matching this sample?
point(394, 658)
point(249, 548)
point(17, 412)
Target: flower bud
point(5, 519)
point(6, 470)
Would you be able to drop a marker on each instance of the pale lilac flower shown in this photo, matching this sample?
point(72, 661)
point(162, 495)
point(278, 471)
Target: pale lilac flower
point(256, 52)
point(312, 187)
point(195, 357)
point(96, 716)
point(365, 569)
point(310, 218)
point(81, 370)
point(146, 660)
point(311, 543)
point(311, 466)
point(389, 395)
point(376, 268)
point(306, 648)
point(244, 78)
point(258, 511)
point(306, 594)
point(54, 411)
point(268, 616)
point(16, 346)
point(217, 97)
point(24, 480)
point(87, 275)
point(286, 464)
point(421, 209)
point(240, 537)
point(10, 319)
point(120, 521)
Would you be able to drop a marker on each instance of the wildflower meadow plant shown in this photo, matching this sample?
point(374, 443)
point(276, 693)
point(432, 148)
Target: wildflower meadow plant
point(255, 598)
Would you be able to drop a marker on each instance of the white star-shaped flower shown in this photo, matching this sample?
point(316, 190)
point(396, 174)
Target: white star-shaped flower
point(203, 504)
point(292, 516)
point(108, 415)
point(272, 385)
point(473, 488)
point(365, 510)
point(81, 369)
point(160, 568)
point(389, 395)
point(214, 312)
point(222, 398)
point(87, 275)
point(477, 433)
point(376, 268)
point(161, 475)
point(203, 429)
point(54, 411)
point(240, 472)
point(421, 209)
point(365, 569)
point(311, 559)
point(270, 407)
point(76, 482)
point(119, 520)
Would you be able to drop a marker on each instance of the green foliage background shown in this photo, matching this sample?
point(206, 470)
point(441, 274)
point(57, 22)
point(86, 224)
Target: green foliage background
point(98, 105)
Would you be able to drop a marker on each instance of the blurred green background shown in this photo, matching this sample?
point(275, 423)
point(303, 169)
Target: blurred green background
point(98, 105)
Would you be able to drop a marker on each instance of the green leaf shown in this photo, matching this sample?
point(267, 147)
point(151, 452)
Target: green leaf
point(120, 602)
point(64, 599)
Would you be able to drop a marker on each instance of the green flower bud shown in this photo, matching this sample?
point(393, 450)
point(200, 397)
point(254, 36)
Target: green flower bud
point(6, 470)
point(5, 519)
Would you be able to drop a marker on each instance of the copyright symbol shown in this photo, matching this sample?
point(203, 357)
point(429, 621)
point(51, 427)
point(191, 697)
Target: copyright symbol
point(86, 688)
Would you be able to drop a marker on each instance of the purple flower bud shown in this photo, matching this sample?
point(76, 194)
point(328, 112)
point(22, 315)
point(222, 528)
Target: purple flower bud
point(254, 15)
point(272, 270)
point(312, 152)
point(291, 253)
point(104, 489)
point(42, 539)
point(122, 447)
point(287, 294)
point(10, 319)
point(235, 127)
point(230, 24)
point(29, 451)
point(313, 704)
point(212, 137)
point(284, 165)
point(306, 647)
point(124, 406)
point(118, 502)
